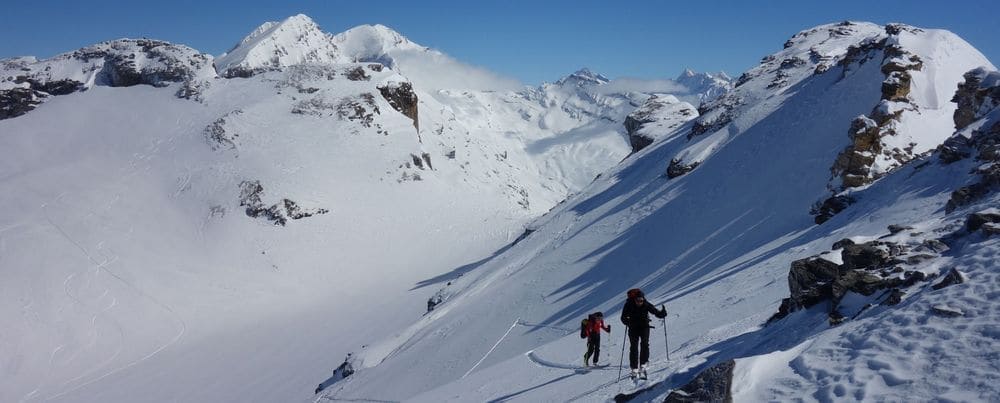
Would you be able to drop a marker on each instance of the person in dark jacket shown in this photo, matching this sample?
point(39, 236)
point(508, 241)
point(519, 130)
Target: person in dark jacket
point(635, 316)
point(595, 323)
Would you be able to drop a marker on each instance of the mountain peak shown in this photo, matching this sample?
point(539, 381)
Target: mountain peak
point(372, 43)
point(272, 45)
point(584, 76)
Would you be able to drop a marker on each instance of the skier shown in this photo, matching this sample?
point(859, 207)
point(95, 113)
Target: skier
point(592, 331)
point(635, 316)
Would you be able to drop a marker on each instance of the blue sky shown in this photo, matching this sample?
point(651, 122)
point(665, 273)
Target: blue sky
point(533, 41)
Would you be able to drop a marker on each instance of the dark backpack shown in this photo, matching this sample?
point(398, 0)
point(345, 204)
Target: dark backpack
point(635, 293)
point(584, 324)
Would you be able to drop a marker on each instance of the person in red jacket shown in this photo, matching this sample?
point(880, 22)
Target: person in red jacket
point(595, 323)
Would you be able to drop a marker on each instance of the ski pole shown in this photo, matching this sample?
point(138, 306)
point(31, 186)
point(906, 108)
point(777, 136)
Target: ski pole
point(666, 343)
point(621, 362)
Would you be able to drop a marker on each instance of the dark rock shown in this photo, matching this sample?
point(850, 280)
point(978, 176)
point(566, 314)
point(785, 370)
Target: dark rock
point(427, 160)
point(18, 101)
point(955, 148)
point(965, 195)
point(842, 243)
point(869, 255)
point(953, 277)
point(919, 258)
point(358, 109)
point(711, 385)
point(895, 297)
point(677, 168)
point(935, 245)
point(973, 98)
point(859, 281)
point(991, 229)
point(975, 221)
point(895, 229)
point(357, 74)
point(279, 213)
point(831, 207)
point(638, 142)
point(377, 67)
point(402, 98)
point(53, 87)
point(810, 280)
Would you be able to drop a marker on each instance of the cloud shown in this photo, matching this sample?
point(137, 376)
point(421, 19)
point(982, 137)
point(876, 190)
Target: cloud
point(620, 85)
point(431, 71)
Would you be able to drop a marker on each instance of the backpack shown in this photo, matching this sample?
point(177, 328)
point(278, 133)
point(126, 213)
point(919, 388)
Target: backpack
point(634, 293)
point(584, 324)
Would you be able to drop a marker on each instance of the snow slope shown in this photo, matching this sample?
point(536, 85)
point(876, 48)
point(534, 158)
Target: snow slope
point(167, 223)
point(715, 245)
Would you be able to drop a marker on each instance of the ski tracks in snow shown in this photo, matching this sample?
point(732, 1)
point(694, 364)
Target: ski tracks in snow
point(100, 267)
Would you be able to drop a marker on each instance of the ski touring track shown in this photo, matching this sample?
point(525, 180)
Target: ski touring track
point(103, 266)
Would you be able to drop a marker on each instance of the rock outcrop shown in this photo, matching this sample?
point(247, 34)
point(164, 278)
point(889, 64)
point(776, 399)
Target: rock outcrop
point(658, 117)
point(865, 269)
point(25, 82)
point(977, 97)
point(401, 97)
point(278, 213)
point(711, 385)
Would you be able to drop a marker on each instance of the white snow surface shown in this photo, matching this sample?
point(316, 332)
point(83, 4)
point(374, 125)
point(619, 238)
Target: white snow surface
point(273, 45)
point(127, 256)
point(714, 246)
point(129, 271)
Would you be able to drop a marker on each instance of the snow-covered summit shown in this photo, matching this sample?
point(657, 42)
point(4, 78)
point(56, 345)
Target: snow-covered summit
point(273, 45)
point(584, 77)
point(373, 43)
point(707, 86)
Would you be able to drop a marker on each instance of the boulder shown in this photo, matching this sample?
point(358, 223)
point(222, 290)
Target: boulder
point(809, 281)
point(711, 385)
point(869, 255)
point(975, 221)
point(678, 168)
point(951, 278)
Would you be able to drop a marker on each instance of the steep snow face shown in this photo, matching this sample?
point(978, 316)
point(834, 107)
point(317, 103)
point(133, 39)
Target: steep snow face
point(374, 43)
point(273, 45)
point(714, 244)
point(706, 86)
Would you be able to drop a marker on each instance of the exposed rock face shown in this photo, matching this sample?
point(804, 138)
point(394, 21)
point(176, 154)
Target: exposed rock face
point(854, 166)
point(677, 168)
point(402, 98)
point(877, 146)
point(219, 136)
point(659, 116)
point(976, 221)
point(278, 213)
point(18, 101)
point(119, 63)
point(953, 277)
point(830, 207)
point(976, 96)
point(867, 268)
point(711, 385)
